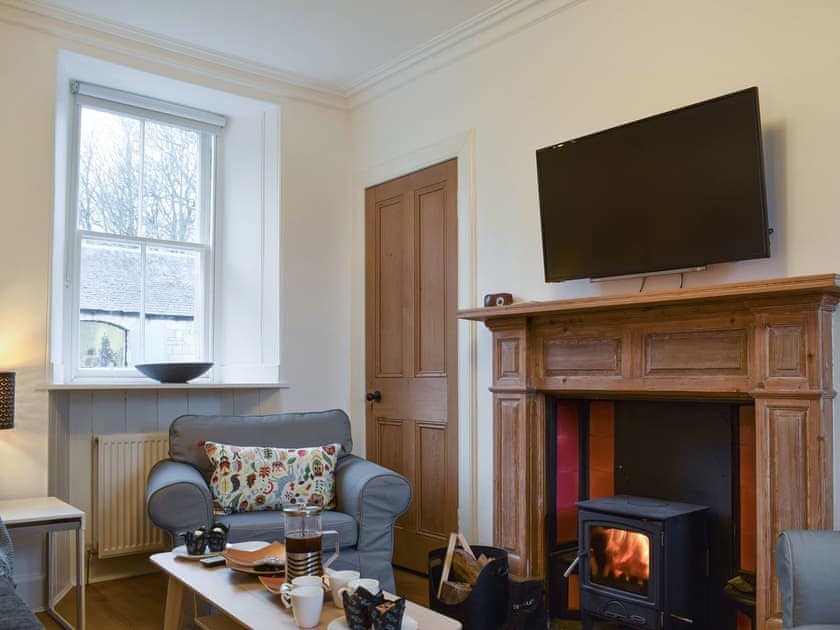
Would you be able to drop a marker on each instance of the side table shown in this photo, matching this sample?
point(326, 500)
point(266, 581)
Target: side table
point(49, 515)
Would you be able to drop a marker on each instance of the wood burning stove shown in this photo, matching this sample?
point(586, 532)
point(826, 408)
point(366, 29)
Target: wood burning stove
point(643, 563)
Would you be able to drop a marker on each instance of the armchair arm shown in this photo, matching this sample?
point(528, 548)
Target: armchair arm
point(375, 497)
point(807, 567)
point(177, 497)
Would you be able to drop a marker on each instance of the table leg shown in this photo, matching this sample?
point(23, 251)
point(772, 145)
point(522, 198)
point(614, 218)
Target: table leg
point(48, 564)
point(80, 578)
point(51, 611)
point(175, 595)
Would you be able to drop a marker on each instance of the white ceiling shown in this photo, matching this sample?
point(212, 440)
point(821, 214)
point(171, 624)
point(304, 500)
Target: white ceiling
point(334, 43)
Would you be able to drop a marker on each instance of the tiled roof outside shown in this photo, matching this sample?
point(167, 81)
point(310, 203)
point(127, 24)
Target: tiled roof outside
point(111, 281)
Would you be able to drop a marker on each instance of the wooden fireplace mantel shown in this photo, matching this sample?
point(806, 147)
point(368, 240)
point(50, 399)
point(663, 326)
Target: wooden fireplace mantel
point(768, 341)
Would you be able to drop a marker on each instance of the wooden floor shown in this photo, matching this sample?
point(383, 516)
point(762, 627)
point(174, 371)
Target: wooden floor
point(137, 602)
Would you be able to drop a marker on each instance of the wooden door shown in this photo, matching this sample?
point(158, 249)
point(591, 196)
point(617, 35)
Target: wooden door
point(411, 352)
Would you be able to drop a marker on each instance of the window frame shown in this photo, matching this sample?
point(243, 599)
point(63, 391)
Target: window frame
point(209, 127)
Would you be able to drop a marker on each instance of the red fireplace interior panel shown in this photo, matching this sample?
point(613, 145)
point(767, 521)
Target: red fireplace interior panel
point(568, 469)
point(601, 449)
point(746, 476)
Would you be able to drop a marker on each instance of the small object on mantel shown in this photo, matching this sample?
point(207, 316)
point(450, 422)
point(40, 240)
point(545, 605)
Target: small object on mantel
point(498, 299)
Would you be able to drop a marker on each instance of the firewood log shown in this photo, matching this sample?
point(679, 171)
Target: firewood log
point(465, 567)
point(453, 593)
point(447, 562)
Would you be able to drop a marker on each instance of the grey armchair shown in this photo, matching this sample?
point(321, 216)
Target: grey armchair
point(808, 563)
point(369, 497)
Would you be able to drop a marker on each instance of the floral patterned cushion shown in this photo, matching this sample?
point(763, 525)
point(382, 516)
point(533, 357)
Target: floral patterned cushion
point(254, 478)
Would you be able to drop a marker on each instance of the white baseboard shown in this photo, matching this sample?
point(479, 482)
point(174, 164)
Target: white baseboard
point(107, 569)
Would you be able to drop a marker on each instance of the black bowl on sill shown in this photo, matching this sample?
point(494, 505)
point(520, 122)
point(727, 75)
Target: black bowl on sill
point(173, 372)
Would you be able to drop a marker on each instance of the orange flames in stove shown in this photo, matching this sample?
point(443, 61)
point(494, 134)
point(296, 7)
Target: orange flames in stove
point(621, 554)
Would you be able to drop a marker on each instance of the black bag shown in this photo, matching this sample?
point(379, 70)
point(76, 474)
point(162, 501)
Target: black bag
point(487, 606)
point(527, 609)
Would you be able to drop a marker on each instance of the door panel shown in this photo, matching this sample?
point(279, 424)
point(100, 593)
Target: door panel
point(431, 283)
point(411, 294)
point(390, 274)
point(431, 477)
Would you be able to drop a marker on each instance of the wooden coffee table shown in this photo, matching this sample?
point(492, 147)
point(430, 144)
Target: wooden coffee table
point(245, 602)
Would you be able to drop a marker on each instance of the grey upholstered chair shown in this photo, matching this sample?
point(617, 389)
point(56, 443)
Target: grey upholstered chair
point(808, 564)
point(369, 497)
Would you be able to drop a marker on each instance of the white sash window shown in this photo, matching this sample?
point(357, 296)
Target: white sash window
point(142, 186)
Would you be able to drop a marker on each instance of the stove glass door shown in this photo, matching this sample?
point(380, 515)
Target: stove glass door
point(619, 558)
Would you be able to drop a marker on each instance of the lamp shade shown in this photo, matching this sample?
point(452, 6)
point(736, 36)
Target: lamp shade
point(7, 400)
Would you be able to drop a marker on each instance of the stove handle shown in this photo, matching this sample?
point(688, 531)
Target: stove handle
point(574, 564)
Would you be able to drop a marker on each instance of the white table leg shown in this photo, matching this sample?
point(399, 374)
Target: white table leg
point(80, 578)
point(175, 595)
point(48, 563)
point(51, 611)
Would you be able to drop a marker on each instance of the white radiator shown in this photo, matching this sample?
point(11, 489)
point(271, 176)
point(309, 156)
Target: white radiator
point(121, 465)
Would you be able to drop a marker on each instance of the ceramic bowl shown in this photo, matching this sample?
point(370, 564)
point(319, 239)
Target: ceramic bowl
point(173, 372)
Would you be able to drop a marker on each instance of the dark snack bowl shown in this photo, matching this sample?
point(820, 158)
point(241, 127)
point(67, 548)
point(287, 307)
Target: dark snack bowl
point(388, 615)
point(358, 608)
point(173, 372)
point(217, 537)
point(195, 541)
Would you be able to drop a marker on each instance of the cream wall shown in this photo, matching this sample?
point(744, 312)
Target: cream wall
point(314, 245)
point(596, 64)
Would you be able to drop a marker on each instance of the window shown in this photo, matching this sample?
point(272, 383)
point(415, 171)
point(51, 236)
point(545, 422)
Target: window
point(142, 231)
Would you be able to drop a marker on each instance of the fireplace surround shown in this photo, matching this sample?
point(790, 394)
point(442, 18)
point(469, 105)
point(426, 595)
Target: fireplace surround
point(768, 343)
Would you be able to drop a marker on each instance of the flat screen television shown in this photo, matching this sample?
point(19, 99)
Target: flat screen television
point(677, 190)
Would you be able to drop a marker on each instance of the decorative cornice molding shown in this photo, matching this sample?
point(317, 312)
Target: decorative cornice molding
point(76, 26)
point(492, 25)
point(496, 23)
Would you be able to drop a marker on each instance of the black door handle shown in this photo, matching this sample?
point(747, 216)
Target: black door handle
point(374, 397)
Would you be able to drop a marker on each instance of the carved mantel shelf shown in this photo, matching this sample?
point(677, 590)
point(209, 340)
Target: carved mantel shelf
point(768, 341)
point(828, 284)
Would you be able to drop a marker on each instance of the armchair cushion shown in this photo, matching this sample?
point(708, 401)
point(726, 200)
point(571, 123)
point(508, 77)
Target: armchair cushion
point(268, 526)
point(807, 563)
point(257, 478)
point(187, 434)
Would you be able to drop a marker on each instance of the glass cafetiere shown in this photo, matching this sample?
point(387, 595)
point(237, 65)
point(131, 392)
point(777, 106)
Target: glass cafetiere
point(304, 541)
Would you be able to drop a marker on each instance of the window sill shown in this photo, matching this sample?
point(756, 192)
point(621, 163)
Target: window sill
point(158, 386)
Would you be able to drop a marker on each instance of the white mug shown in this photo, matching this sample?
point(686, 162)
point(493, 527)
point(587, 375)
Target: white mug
point(299, 582)
point(369, 584)
point(338, 580)
point(307, 603)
